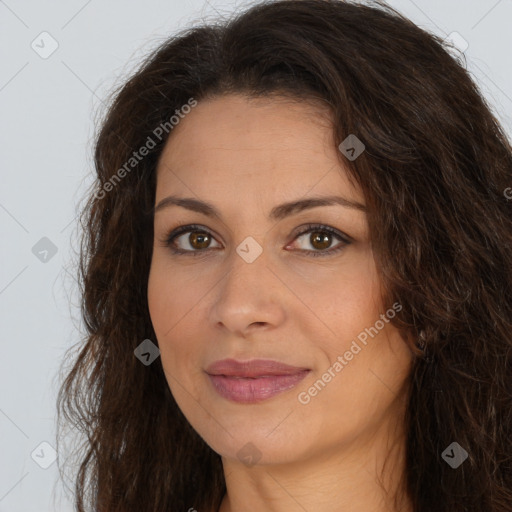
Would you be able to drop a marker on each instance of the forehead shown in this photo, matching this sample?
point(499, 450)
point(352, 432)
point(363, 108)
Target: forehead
point(237, 144)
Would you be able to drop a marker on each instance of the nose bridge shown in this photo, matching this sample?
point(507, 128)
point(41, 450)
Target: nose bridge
point(248, 267)
point(247, 293)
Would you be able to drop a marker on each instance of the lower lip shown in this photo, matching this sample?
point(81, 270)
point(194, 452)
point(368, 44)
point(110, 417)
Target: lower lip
point(248, 391)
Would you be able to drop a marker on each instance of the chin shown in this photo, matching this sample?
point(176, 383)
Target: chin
point(262, 441)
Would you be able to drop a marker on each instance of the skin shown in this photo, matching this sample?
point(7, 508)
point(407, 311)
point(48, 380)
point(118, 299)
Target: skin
point(245, 156)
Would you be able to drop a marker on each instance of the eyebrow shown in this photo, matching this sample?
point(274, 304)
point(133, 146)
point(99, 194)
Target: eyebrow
point(277, 213)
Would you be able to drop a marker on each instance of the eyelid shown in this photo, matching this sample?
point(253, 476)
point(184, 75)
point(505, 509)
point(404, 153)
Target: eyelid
point(172, 234)
point(345, 239)
point(311, 226)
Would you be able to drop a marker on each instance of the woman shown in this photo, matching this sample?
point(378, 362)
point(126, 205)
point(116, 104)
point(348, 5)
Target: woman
point(297, 275)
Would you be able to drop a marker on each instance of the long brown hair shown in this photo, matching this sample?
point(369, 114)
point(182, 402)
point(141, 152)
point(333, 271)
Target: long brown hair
point(434, 171)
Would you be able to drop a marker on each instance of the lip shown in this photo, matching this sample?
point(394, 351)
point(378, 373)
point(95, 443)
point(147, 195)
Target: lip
point(252, 368)
point(255, 380)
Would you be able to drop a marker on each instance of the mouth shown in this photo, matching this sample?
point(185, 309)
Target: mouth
point(253, 381)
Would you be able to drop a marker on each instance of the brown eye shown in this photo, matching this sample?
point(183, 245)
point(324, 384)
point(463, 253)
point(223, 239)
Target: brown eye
point(189, 239)
point(195, 240)
point(320, 240)
point(317, 240)
point(199, 240)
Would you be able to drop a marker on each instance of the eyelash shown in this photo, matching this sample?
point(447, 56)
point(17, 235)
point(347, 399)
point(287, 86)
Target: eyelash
point(169, 239)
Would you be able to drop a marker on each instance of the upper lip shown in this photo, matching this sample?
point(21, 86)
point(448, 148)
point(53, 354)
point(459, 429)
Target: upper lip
point(252, 368)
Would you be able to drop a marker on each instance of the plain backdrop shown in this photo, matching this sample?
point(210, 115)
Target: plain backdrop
point(48, 104)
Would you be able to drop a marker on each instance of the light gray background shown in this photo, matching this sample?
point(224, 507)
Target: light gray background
point(46, 129)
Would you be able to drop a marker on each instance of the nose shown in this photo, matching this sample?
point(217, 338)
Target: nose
point(249, 297)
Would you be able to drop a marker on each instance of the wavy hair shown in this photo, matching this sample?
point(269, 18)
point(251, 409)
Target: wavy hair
point(434, 172)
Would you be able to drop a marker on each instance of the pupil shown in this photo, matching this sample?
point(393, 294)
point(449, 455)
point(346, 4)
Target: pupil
point(322, 241)
point(200, 240)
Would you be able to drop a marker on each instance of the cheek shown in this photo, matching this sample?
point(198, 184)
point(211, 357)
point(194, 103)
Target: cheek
point(173, 307)
point(345, 300)
point(172, 297)
point(159, 300)
point(360, 293)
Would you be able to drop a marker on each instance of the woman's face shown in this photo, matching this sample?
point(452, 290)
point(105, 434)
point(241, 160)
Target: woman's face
point(254, 282)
